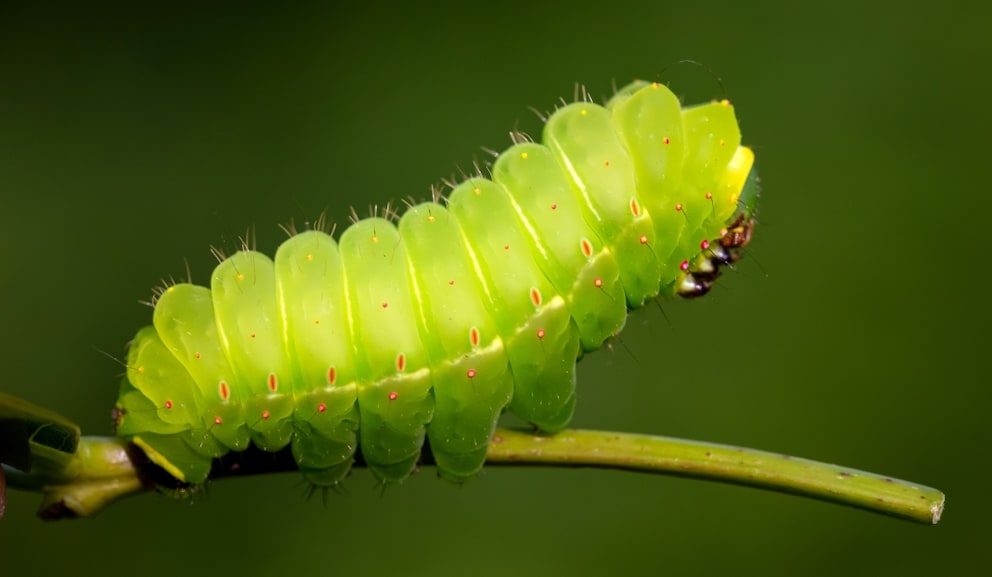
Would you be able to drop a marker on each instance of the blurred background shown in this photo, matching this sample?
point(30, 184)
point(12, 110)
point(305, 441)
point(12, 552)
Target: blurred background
point(132, 139)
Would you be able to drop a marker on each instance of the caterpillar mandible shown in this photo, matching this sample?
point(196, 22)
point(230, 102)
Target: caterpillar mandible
point(433, 327)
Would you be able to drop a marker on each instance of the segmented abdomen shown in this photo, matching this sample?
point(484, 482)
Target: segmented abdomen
point(437, 325)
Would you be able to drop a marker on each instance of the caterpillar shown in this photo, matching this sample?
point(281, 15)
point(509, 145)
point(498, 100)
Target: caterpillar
point(431, 325)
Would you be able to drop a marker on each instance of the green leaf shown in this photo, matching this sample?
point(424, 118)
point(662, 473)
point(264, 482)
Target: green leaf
point(33, 438)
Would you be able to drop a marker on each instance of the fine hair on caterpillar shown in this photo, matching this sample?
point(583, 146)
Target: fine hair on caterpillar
point(431, 324)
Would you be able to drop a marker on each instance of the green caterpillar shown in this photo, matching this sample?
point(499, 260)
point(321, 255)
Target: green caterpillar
point(435, 326)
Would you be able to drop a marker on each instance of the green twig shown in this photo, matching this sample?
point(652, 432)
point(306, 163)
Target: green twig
point(737, 465)
point(103, 471)
point(100, 472)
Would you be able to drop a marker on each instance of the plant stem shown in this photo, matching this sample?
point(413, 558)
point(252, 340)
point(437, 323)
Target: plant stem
point(100, 472)
point(103, 470)
point(728, 464)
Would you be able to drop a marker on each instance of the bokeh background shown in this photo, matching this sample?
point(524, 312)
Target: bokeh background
point(856, 331)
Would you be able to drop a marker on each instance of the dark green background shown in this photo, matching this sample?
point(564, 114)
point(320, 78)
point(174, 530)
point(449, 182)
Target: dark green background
point(856, 331)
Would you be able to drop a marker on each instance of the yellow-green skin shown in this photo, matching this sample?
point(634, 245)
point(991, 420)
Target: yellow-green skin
point(437, 326)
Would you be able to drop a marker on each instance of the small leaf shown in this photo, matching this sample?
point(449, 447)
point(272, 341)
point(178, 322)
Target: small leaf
point(31, 435)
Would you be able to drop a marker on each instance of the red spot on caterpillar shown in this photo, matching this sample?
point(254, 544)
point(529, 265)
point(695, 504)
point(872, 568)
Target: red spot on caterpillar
point(598, 282)
point(474, 337)
point(168, 404)
point(332, 375)
point(470, 373)
point(265, 415)
point(684, 265)
point(667, 140)
point(393, 395)
point(540, 333)
point(196, 355)
point(535, 297)
point(321, 408)
point(644, 239)
point(506, 247)
point(635, 208)
point(586, 248)
point(704, 245)
point(400, 362)
point(451, 282)
point(273, 382)
point(217, 420)
point(709, 196)
point(385, 304)
point(554, 206)
point(678, 207)
point(225, 391)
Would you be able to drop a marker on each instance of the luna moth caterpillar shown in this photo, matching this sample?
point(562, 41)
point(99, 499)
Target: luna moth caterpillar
point(432, 326)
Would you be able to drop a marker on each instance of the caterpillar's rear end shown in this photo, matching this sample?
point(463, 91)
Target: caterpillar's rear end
point(435, 326)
